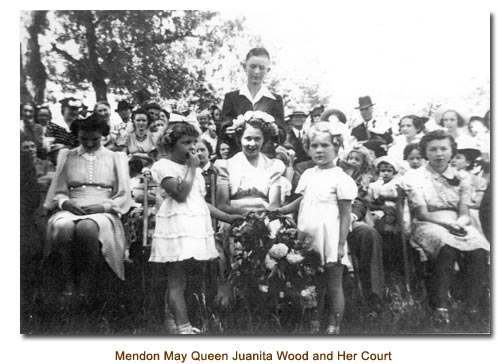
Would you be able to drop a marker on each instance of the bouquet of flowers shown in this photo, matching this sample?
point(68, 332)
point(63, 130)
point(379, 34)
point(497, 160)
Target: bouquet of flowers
point(270, 257)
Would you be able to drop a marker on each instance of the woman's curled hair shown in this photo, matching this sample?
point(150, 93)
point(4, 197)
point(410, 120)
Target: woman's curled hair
point(436, 135)
point(141, 111)
point(268, 130)
point(90, 124)
point(417, 121)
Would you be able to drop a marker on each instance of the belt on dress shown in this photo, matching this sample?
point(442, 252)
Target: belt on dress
point(96, 186)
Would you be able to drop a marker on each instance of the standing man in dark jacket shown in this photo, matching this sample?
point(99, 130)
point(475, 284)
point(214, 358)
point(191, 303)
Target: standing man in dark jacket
point(370, 128)
point(295, 135)
point(254, 96)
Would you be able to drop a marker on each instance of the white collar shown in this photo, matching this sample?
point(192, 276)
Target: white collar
point(449, 172)
point(297, 132)
point(206, 166)
point(263, 92)
point(82, 151)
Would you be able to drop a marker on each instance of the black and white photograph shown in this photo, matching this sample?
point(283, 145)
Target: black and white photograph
point(301, 171)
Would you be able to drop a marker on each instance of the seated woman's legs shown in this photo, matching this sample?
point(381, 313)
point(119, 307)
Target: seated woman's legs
point(475, 271)
point(64, 234)
point(87, 251)
point(443, 274)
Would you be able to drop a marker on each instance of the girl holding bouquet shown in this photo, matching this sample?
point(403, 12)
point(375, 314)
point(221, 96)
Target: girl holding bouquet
point(324, 213)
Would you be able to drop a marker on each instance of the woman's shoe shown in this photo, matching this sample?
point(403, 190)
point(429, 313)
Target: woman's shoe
point(441, 315)
point(333, 330)
point(170, 325)
point(315, 326)
point(187, 329)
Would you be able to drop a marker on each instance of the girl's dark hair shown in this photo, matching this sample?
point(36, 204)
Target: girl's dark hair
point(90, 124)
point(385, 164)
point(410, 148)
point(165, 112)
point(217, 148)
point(266, 129)
point(212, 110)
point(209, 147)
point(418, 122)
point(436, 135)
point(175, 131)
point(25, 138)
point(40, 108)
point(27, 103)
point(141, 111)
point(257, 52)
point(470, 157)
point(460, 118)
point(481, 120)
point(135, 166)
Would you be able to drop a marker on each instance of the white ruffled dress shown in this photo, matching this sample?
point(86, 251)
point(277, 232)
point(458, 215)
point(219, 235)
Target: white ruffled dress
point(183, 229)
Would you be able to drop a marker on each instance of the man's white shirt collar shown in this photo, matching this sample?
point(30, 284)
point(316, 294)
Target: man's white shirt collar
point(263, 92)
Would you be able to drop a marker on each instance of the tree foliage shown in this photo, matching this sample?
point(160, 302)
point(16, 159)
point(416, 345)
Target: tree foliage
point(162, 54)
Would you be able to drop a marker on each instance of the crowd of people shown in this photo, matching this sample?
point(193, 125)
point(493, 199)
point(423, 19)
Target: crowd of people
point(341, 183)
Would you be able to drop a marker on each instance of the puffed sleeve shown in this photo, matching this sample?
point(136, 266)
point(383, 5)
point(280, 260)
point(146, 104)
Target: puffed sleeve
point(413, 187)
point(121, 201)
point(58, 190)
point(303, 182)
point(346, 188)
point(466, 190)
point(156, 172)
point(222, 172)
point(123, 140)
point(276, 172)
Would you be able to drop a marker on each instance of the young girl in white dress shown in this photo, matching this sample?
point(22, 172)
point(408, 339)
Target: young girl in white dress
point(325, 214)
point(183, 228)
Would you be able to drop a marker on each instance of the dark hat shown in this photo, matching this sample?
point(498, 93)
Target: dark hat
point(364, 102)
point(469, 149)
point(71, 102)
point(317, 110)
point(470, 154)
point(56, 147)
point(298, 113)
point(378, 146)
point(123, 105)
point(152, 105)
point(339, 114)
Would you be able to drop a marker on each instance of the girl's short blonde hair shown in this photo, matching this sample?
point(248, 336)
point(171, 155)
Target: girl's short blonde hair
point(319, 128)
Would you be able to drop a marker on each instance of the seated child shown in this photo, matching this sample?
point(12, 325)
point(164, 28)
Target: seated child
point(383, 193)
point(464, 161)
point(412, 157)
point(381, 198)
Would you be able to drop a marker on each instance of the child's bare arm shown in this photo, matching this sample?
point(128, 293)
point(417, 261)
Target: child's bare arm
point(291, 207)
point(345, 208)
point(221, 215)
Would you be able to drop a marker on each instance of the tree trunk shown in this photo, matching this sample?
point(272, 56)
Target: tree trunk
point(35, 68)
point(25, 95)
point(96, 74)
